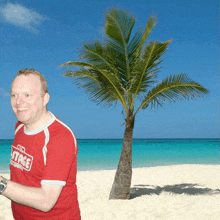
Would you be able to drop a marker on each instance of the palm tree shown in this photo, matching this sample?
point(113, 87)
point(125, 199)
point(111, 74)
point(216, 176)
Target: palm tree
point(123, 68)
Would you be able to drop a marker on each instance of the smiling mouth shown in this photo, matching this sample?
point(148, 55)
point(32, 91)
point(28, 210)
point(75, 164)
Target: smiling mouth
point(22, 109)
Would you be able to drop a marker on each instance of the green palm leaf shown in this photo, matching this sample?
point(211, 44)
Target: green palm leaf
point(146, 67)
point(135, 46)
point(149, 27)
point(95, 53)
point(172, 89)
point(119, 26)
point(102, 86)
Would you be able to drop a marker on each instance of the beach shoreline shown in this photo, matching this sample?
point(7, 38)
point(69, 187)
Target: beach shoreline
point(189, 191)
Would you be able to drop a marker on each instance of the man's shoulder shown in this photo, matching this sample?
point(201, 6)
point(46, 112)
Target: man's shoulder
point(59, 132)
point(60, 128)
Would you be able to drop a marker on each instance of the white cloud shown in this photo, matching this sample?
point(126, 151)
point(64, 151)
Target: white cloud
point(18, 15)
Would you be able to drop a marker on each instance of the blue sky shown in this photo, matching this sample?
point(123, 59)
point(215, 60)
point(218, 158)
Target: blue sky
point(44, 34)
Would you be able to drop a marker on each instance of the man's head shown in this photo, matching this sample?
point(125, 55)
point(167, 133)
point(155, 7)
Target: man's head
point(29, 96)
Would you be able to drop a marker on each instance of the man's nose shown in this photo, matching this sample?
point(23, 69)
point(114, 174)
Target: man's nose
point(19, 100)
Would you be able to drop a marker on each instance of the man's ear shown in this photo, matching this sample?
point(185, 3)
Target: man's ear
point(46, 98)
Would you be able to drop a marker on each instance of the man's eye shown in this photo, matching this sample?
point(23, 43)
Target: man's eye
point(27, 95)
point(13, 95)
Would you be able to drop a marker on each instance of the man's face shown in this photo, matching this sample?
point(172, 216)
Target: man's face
point(27, 99)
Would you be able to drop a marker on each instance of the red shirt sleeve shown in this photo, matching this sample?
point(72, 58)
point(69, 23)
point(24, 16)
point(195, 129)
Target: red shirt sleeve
point(60, 159)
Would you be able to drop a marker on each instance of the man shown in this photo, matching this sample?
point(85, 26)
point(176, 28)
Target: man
point(43, 159)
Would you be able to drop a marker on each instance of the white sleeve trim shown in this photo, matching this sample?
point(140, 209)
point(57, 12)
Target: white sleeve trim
point(18, 128)
point(47, 138)
point(53, 182)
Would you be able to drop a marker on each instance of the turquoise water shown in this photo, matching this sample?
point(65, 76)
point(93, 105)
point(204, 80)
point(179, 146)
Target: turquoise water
point(99, 154)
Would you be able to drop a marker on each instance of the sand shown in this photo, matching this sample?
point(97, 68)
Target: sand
point(178, 192)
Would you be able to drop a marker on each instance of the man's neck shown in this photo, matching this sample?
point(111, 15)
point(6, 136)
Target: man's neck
point(40, 123)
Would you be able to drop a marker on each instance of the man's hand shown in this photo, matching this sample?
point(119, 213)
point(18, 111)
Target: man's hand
point(43, 198)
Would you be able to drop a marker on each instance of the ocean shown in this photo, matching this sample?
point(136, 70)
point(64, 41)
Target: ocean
point(104, 154)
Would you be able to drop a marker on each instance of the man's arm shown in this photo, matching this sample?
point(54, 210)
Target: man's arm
point(43, 198)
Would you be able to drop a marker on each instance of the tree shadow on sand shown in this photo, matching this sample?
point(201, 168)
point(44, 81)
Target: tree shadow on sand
point(185, 188)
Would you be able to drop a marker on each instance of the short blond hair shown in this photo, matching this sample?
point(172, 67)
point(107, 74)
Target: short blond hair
point(43, 81)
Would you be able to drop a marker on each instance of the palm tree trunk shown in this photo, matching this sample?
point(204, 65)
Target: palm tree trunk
point(122, 182)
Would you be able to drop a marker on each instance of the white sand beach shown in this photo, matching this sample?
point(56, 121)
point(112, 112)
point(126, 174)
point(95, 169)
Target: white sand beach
point(178, 192)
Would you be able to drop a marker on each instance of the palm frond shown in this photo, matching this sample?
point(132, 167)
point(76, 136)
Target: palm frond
point(149, 27)
point(146, 67)
point(95, 53)
point(173, 89)
point(99, 84)
point(76, 63)
point(104, 58)
point(134, 45)
point(119, 25)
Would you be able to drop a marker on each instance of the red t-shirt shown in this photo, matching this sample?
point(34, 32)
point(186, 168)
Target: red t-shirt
point(46, 156)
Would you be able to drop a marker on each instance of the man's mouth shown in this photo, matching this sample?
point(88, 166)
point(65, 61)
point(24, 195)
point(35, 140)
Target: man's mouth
point(22, 109)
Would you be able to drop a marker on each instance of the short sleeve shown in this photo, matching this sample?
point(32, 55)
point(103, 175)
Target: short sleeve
point(60, 159)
